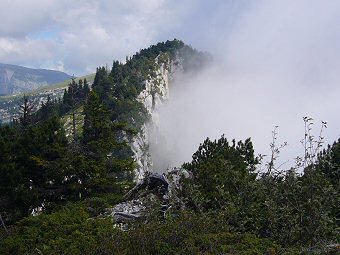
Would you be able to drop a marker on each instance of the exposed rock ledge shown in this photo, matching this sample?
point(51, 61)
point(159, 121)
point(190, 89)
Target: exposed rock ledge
point(161, 188)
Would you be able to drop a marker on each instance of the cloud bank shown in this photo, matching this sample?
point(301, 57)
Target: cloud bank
point(83, 34)
point(278, 62)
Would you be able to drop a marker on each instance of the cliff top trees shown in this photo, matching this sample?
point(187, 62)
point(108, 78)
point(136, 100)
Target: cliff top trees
point(222, 171)
point(329, 162)
point(97, 125)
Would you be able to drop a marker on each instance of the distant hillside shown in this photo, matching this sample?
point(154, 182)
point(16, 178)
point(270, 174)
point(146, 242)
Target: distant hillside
point(17, 79)
point(9, 104)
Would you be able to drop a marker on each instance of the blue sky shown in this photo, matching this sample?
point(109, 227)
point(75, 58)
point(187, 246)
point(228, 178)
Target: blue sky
point(50, 34)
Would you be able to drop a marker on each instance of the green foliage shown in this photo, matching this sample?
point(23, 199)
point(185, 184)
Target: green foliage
point(222, 172)
point(101, 138)
point(290, 208)
point(71, 231)
point(25, 165)
point(297, 210)
point(329, 163)
point(67, 231)
point(74, 95)
point(329, 166)
point(118, 92)
point(189, 234)
point(97, 125)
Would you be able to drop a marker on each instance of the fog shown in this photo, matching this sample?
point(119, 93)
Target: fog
point(278, 62)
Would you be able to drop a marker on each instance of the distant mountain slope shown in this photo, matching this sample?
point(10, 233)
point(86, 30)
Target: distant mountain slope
point(17, 79)
point(9, 104)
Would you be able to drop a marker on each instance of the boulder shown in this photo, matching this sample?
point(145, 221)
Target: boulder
point(153, 187)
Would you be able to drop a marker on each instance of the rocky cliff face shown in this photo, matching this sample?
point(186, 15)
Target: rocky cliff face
point(16, 79)
point(156, 92)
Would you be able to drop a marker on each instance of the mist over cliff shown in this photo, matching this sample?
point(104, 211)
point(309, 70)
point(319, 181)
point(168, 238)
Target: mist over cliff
point(277, 63)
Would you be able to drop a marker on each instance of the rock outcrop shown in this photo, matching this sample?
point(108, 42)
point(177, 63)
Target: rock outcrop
point(156, 92)
point(161, 189)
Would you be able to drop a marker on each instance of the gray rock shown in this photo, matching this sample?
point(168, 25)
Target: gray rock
point(163, 187)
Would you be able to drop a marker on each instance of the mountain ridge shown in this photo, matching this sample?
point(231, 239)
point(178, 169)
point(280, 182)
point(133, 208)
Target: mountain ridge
point(19, 79)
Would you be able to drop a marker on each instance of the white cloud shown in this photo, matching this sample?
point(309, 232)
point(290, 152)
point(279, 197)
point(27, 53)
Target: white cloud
point(20, 17)
point(279, 61)
point(23, 51)
point(86, 33)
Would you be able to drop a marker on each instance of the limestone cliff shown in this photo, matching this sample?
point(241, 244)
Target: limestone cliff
point(155, 93)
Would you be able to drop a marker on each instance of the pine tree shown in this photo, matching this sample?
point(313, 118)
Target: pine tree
point(86, 89)
point(222, 172)
point(101, 74)
point(329, 163)
point(26, 111)
point(97, 130)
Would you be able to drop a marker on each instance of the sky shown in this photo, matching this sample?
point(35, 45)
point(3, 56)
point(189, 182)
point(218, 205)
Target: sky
point(79, 35)
point(275, 61)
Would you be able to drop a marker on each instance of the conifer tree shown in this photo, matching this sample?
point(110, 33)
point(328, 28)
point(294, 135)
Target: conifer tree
point(86, 89)
point(97, 130)
point(26, 110)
